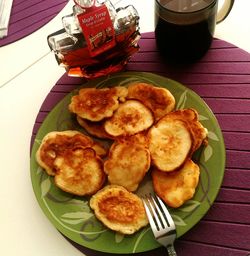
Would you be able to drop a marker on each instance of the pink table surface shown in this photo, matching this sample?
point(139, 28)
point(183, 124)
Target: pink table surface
point(27, 16)
point(222, 79)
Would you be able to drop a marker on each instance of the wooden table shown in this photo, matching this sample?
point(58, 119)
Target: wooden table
point(222, 79)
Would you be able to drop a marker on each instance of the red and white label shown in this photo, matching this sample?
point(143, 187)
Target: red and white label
point(98, 30)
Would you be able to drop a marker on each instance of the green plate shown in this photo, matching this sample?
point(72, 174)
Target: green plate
point(72, 216)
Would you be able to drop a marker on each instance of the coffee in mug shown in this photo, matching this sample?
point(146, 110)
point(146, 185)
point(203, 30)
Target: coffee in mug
point(184, 29)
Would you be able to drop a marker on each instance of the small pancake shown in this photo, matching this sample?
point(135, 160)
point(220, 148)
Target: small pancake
point(197, 130)
point(159, 100)
point(55, 143)
point(94, 128)
point(127, 163)
point(79, 172)
point(96, 104)
point(118, 209)
point(169, 144)
point(175, 188)
point(130, 118)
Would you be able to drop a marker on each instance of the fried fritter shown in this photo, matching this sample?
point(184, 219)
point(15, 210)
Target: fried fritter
point(79, 171)
point(159, 100)
point(55, 143)
point(128, 162)
point(197, 130)
point(176, 187)
point(94, 128)
point(118, 209)
point(130, 118)
point(169, 144)
point(96, 104)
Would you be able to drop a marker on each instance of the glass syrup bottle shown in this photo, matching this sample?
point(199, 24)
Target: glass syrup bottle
point(96, 39)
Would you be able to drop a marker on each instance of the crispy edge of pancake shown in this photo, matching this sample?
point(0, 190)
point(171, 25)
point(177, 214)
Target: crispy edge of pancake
point(196, 127)
point(170, 143)
point(158, 99)
point(128, 162)
point(79, 172)
point(95, 104)
point(130, 118)
point(95, 129)
point(175, 188)
point(119, 209)
point(197, 130)
point(99, 149)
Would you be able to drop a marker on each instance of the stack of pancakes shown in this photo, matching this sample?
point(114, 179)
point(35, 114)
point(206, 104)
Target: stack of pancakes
point(146, 133)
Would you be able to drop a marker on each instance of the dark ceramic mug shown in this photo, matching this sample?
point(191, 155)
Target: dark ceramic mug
point(184, 29)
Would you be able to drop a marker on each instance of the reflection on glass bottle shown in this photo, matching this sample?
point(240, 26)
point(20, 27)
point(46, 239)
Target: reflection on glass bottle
point(81, 57)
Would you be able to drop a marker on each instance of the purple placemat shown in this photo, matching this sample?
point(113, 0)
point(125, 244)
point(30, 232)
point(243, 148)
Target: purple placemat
point(27, 16)
point(222, 79)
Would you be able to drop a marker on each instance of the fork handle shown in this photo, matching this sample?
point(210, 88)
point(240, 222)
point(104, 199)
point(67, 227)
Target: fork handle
point(171, 250)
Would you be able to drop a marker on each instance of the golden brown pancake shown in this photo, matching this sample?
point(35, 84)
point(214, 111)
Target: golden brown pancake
point(169, 144)
point(159, 100)
point(197, 130)
point(128, 162)
point(79, 171)
point(176, 187)
point(118, 209)
point(55, 143)
point(94, 128)
point(130, 118)
point(96, 104)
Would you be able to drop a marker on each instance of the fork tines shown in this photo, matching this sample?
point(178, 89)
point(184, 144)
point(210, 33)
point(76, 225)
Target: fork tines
point(161, 222)
point(158, 214)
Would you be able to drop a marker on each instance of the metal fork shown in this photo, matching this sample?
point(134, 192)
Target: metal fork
point(161, 222)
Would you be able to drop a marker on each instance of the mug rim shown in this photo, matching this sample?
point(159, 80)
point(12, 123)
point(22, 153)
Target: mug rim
point(185, 13)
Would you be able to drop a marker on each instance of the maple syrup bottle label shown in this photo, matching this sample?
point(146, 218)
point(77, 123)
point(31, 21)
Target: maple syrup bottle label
point(97, 28)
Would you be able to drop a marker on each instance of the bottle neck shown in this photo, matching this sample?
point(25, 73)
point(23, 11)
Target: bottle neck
point(85, 4)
